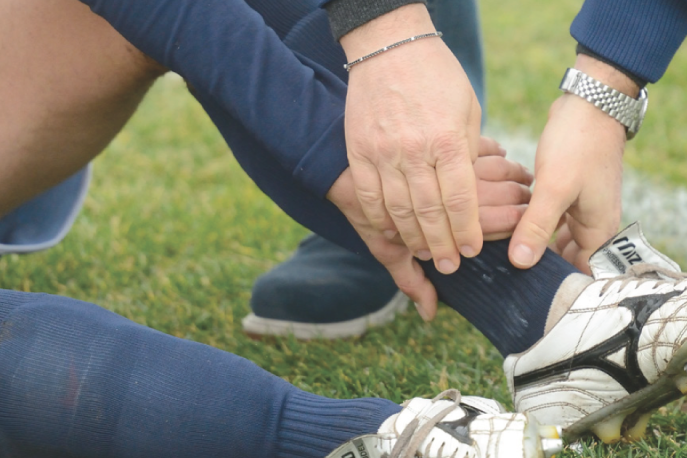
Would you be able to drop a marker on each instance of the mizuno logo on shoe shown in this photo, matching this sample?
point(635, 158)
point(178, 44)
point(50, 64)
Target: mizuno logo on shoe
point(628, 250)
point(600, 357)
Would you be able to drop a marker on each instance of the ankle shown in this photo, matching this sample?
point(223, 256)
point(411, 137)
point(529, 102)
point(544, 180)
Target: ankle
point(566, 295)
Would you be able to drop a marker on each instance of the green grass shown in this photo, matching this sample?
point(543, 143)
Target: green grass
point(173, 235)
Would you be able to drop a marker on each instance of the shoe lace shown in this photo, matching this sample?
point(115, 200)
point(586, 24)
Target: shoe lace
point(642, 273)
point(413, 435)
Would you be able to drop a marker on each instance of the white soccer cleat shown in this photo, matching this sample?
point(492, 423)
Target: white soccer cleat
point(458, 427)
point(618, 353)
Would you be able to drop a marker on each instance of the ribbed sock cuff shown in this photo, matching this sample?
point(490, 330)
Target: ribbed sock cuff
point(9, 300)
point(312, 426)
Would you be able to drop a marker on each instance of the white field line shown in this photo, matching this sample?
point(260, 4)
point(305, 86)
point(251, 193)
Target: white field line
point(661, 209)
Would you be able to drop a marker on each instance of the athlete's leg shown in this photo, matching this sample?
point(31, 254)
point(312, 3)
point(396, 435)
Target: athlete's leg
point(78, 380)
point(68, 83)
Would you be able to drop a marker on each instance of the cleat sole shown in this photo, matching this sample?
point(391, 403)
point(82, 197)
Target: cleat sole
point(540, 441)
point(638, 430)
point(550, 432)
point(664, 390)
point(608, 430)
point(681, 383)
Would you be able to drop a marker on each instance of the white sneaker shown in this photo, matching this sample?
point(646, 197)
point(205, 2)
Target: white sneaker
point(461, 427)
point(618, 353)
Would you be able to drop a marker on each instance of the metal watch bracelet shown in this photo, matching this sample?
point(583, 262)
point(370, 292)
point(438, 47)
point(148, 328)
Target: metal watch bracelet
point(625, 109)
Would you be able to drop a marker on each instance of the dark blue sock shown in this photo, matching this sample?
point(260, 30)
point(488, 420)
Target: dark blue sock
point(508, 305)
point(79, 381)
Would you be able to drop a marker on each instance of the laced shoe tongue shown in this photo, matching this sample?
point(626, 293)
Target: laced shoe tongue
point(627, 248)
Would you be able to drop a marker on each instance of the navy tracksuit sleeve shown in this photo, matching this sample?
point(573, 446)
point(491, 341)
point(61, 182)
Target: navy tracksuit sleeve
point(292, 105)
point(640, 36)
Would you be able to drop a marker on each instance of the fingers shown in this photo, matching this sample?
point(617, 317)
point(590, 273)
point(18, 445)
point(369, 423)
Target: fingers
point(458, 185)
point(490, 147)
point(368, 189)
point(572, 253)
point(587, 239)
point(405, 271)
point(427, 202)
point(499, 222)
point(495, 168)
point(402, 210)
point(537, 226)
point(496, 193)
point(410, 278)
point(502, 191)
point(434, 223)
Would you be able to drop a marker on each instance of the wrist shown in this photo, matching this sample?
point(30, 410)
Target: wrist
point(397, 25)
point(581, 49)
point(607, 74)
point(608, 89)
point(586, 118)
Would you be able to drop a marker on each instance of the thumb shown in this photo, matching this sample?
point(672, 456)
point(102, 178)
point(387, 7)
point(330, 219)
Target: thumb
point(534, 231)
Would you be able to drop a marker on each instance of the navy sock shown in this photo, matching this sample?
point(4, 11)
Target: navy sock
point(508, 305)
point(78, 380)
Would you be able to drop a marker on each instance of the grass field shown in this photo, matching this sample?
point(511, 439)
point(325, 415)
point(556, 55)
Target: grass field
point(173, 235)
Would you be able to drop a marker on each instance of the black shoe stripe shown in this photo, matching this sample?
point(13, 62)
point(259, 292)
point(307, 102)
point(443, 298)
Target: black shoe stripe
point(459, 429)
point(630, 376)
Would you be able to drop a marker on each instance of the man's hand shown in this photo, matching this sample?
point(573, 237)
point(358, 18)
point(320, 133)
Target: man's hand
point(503, 192)
point(578, 173)
point(412, 132)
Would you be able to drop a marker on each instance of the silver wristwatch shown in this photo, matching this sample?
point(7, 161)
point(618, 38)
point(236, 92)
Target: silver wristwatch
point(628, 111)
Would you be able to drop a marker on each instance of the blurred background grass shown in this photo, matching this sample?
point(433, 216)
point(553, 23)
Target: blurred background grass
point(528, 47)
point(173, 234)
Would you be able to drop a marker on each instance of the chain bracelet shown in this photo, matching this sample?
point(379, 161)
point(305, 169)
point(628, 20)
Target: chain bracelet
point(386, 48)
